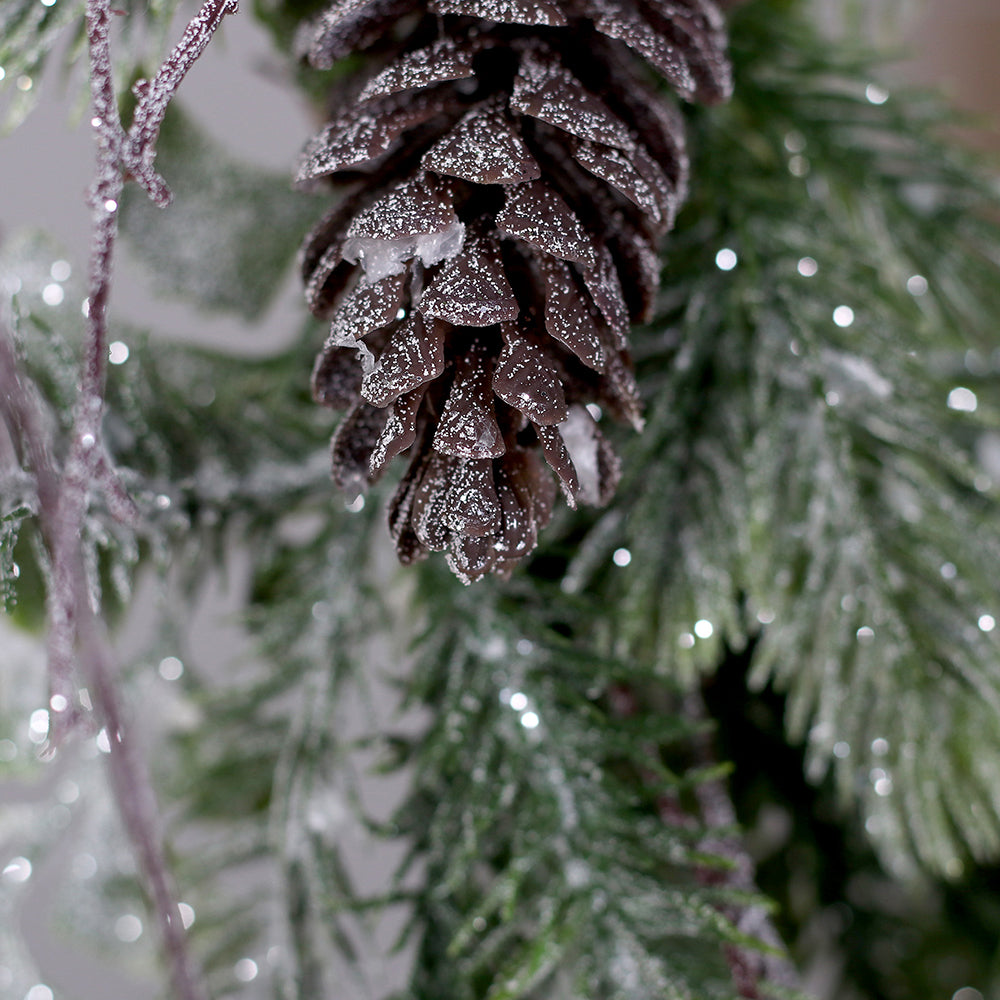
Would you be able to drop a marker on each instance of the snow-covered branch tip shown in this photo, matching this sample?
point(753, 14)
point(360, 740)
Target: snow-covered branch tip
point(131, 154)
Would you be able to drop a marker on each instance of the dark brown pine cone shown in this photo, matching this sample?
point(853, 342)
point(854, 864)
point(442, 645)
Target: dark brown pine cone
point(507, 170)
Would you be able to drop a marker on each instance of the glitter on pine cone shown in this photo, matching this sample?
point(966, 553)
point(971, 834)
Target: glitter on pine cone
point(506, 172)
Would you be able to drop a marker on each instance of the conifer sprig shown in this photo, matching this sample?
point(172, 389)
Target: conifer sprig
point(812, 483)
point(554, 804)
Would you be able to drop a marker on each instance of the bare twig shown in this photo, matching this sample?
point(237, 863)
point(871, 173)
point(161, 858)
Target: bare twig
point(156, 96)
point(119, 156)
point(78, 647)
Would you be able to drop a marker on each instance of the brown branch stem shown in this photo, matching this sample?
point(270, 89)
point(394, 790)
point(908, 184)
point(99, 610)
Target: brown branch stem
point(751, 970)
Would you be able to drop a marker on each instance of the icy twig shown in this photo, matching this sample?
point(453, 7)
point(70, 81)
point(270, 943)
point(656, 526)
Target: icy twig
point(120, 155)
point(156, 96)
point(132, 788)
point(77, 643)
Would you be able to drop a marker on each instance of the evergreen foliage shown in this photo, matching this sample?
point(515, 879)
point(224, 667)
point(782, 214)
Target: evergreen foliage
point(804, 528)
point(33, 33)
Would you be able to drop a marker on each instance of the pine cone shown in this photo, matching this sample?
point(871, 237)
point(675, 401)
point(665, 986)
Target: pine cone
point(508, 169)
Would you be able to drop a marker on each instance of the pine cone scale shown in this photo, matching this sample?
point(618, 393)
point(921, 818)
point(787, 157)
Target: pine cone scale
point(471, 289)
point(468, 427)
point(483, 149)
point(443, 61)
point(527, 12)
point(538, 216)
point(413, 356)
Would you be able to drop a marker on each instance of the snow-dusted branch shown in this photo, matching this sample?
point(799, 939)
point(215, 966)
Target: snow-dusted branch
point(95, 667)
point(125, 155)
point(120, 156)
point(79, 651)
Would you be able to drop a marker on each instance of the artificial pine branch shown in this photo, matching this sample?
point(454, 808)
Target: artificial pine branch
point(791, 481)
point(542, 805)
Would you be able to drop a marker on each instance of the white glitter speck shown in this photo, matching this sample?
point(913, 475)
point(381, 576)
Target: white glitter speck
point(38, 725)
point(967, 993)
point(128, 928)
point(962, 399)
point(726, 259)
point(17, 870)
point(843, 316)
point(518, 701)
point(245, 970)
point(798, 166)
point(171, 668)
point(795, 142)
point(876, 94)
